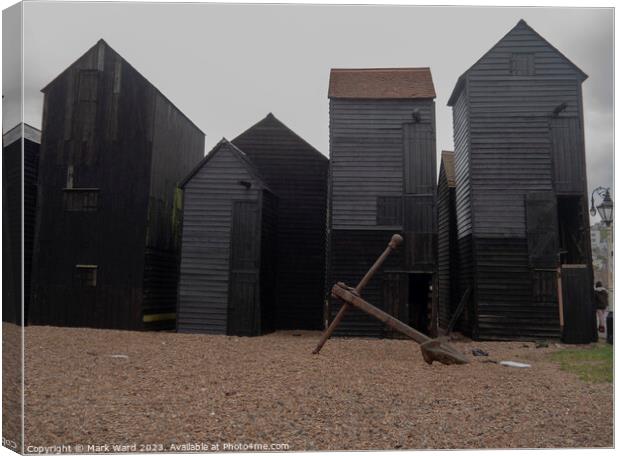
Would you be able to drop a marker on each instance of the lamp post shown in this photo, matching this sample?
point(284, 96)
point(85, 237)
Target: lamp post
point(606, 212)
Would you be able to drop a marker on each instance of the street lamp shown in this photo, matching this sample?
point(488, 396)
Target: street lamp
point(606, 208)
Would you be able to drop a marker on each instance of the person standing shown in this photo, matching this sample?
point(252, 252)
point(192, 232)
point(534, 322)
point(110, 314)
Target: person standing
point(601, 297)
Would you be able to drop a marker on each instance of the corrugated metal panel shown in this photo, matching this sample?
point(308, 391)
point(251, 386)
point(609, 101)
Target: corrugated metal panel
point(204, 272)
point(297, 174)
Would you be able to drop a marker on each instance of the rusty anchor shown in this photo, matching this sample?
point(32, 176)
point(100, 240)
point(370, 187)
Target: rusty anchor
point(432, 349)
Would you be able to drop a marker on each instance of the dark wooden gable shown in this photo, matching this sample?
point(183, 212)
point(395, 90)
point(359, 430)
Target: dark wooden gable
point(518, 134)
point(113, 151)
point(297, 173)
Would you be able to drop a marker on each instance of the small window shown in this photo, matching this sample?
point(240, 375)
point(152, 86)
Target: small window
point(522, 64)
point(389, 210)
point(81, 199)
point(86, 275)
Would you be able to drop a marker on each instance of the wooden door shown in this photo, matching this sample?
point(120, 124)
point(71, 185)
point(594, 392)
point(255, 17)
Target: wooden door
point(243, 296)
point(579, 314)
point(419, 230)
point(542, 229)
point(567, 155)
point(419, 158)
point(396, 299)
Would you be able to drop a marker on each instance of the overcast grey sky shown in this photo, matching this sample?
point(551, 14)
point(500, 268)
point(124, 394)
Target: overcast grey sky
point(227, 66)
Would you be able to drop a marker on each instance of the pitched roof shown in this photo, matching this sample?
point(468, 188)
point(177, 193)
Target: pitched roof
point(378, 83)
point(461, 80)
point(101, 42)
point(447, 163)
point(238, 153)
point(270, 120)
point(15, 133)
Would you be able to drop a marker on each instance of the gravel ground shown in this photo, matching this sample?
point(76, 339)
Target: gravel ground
point(357, 394)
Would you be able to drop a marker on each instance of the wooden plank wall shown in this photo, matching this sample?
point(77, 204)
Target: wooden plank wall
point(205, 252)
point(447, 251)
point(352, 253)
point(297, 173)
point(375, 147)
point(503, 149)
point(116, 162)
point(366, 152)
point(177, 146)
point(31, 175)
point(12, 232)
point(104, 130)
point(268, 261)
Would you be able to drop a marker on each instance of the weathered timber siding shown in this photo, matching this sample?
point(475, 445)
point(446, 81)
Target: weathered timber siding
point(268, 261)
point(447, 251)
point(353, 252)
point(297, 173)
point(462, 164)
point(11, 233)
point(177, 147)
point(207, 222)
point(506, 308)
point(98, 121)
point(367, 155)
point(510, 145)
point(31, 175)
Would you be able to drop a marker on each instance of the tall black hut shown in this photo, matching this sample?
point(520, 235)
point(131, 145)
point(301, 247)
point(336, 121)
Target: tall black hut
point(265, 165)
point(382, 181)
point(113, 150)
point(521, 195)
point(20, 142)
point(297, 173)
point(228, 247)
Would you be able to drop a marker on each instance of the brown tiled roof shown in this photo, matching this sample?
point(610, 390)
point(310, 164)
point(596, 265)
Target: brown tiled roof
point(375, 83)
point(447, 159)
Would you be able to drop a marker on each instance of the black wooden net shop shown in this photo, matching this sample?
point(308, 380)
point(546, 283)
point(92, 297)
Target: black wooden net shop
point(227, 274)
point(297, 173)
point(267, 164)
point(20, 142)
point(113, 150)
point(382, 181)
point(521, 195)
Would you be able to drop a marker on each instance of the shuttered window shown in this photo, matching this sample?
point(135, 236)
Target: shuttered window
point(522, 64)
point(81, 199)
point(85, 275)
point(419, 159)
